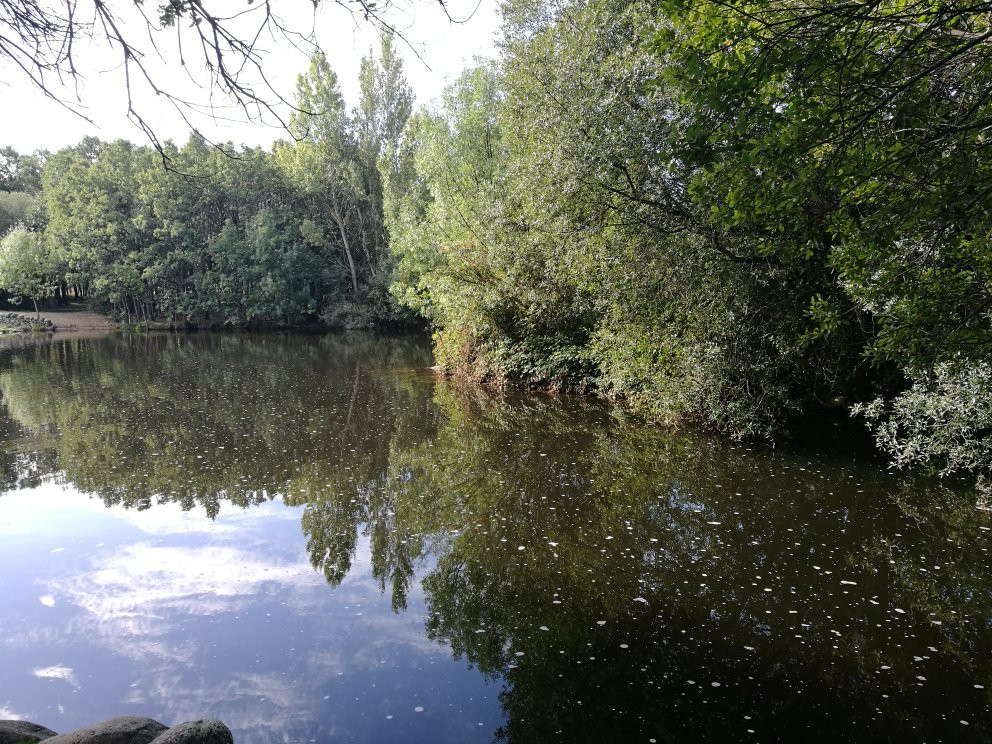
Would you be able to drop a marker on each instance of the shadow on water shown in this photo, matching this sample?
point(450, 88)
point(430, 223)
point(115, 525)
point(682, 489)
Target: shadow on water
point(620, 582)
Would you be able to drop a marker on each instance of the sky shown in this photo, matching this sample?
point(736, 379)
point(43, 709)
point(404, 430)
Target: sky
point(437, 50)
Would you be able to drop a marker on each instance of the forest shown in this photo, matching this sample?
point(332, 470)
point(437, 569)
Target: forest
point(730, 215)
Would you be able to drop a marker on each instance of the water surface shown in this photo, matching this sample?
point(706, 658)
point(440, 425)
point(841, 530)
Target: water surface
point(313, 539)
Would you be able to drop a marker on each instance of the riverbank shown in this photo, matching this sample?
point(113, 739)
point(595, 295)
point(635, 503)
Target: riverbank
point(66, 321)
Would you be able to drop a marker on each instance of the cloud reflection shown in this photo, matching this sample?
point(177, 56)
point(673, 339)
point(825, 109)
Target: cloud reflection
point(58, 671)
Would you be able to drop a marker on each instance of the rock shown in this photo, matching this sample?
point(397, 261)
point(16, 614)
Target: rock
point(11, 323)
point(23, 732)
point(197, 732)
point(121, 730)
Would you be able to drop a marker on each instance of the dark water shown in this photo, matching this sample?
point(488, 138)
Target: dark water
point(315, 540)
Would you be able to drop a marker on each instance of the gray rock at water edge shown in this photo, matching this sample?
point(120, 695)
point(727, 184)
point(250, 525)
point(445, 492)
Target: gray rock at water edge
point(121, 730)
point(23, 732)
point(197, 732)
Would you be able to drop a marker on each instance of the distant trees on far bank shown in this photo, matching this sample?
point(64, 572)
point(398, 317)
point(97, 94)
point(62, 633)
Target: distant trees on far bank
point(232, 237)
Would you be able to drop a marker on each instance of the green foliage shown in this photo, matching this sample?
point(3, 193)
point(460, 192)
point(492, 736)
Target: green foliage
point(21, 172)
point(733, 215)
point(336, 164)
point(548, 234)
point(943, 420)
point(847, 143)
point(233, 237)
point(25, 265)
point(17, 208)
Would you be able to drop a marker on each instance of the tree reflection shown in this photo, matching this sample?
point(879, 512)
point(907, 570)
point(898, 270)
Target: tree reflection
point(205, 420)
point(626, 580)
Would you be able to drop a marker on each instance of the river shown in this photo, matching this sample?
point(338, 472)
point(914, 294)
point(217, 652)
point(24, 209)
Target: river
point(312, 538)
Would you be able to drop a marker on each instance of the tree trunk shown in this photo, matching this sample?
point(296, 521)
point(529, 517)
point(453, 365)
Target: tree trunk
point(37, 312)
point(339, 220)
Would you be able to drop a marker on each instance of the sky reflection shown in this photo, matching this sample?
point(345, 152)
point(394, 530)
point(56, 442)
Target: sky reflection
point(165, 613)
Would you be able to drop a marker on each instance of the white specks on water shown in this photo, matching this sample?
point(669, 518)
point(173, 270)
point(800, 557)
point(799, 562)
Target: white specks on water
point(600, 622)
point(552, 544)
point(921, 678)
point(544, 628)
point(419, 709)
point(849, 583)
point(624, 645)
point(389, 718)
point(690, 681)
point(48, 600)
point(900, 611)
point(57, 550)
point(714, 684)
point(640, 599)
point(521, 547)
point(518, 653)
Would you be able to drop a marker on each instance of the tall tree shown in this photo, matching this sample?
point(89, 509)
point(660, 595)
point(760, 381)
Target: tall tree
point(385, 104)
point(322, 161)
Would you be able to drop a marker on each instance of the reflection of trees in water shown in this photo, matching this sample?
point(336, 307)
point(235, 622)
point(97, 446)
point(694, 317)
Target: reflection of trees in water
point(205, 418)
point(619, 561)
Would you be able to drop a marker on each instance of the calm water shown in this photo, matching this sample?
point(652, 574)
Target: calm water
point(313, 539)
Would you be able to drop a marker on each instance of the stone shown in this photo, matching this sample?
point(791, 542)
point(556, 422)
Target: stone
point(197, 732)
point(23, 732)
point(120, 730)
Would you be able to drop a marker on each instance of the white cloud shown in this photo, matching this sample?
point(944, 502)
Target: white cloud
point(143, 580)
point(58, 671)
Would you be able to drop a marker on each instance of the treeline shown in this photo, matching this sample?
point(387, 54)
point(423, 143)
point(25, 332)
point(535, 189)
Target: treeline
point(223, 236)
point(733, 214)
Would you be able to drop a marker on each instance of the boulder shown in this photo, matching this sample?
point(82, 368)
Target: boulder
point(120, 730)
point(23, 732)
point(197, 732)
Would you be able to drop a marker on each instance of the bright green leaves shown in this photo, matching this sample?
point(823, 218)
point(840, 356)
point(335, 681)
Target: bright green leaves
point(25, 266)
